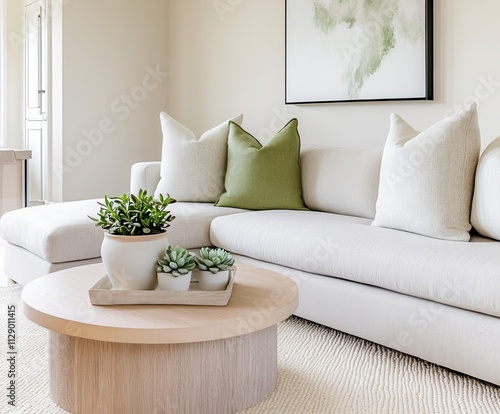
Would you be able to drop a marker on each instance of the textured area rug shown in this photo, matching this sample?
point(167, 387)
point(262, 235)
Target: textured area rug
point(320, 371)
point(31, 369)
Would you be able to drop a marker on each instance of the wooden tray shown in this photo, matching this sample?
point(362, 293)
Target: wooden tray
point(103, 294)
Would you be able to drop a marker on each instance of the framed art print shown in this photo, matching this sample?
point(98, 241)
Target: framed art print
point(358, 50)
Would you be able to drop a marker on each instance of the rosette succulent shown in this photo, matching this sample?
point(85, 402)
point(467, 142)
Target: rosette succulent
point(177, 261)
point(214, 259)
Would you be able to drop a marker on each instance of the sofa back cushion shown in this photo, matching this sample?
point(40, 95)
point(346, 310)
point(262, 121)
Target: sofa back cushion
point(341, 180)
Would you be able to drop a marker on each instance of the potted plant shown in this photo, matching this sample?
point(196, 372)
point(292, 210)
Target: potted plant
point(174, 269)
point(135, 238)
point(214, 265)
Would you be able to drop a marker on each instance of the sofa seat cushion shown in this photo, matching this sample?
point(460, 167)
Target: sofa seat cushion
point(58, 232)
point(465, 275)
point(62, 232)
point(191, 227)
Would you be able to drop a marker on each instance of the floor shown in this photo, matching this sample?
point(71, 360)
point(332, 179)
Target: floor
point(4, 280)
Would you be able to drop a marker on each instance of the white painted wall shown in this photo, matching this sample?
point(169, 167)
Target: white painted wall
point(221, 62)
point(109, 87)
point(227, 60)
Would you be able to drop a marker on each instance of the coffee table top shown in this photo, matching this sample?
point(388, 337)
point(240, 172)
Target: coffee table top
point(60, 302)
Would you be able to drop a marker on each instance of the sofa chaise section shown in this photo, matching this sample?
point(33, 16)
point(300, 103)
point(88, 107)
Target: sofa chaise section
point(44, 239)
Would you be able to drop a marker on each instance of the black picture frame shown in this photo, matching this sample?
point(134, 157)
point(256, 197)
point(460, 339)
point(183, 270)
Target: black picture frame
point(358, 51)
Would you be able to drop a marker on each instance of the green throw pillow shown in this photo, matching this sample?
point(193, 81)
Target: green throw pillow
point(263, 177)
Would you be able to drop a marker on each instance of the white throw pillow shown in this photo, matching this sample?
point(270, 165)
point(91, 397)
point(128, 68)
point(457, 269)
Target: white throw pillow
point(193, 169)
point(427, 178)
point(485, 215)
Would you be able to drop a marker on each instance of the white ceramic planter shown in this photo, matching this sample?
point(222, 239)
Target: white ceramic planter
point(213, 281)
point(130, 260)
point(178, 284)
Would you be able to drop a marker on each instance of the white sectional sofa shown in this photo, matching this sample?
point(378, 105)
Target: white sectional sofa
point(430, 297)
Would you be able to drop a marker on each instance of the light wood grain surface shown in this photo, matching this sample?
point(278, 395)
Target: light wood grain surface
point(60, 302)
point(215, 377)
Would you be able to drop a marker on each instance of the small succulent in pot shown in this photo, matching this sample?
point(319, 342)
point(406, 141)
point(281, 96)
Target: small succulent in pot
point(214, 259)
point(177, 261)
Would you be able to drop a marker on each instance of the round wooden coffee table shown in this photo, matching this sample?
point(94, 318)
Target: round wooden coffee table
point(160, 358)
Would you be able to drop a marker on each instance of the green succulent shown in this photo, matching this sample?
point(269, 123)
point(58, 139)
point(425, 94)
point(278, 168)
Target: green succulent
point(177, 261)
point(214, 259)
point(134, 215)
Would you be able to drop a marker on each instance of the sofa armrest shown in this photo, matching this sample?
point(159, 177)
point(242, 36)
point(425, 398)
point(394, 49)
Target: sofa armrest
point(145, 175)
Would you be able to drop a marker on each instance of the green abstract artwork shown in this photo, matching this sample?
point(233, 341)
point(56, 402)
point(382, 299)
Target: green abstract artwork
point(347, 50)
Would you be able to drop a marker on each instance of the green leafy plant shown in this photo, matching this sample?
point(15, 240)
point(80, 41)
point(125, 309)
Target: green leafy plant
point(214, 259)
point(134, 215)
point(177, 261)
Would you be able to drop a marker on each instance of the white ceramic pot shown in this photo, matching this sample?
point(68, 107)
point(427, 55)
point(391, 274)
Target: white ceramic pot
point(166, 281)
point(130, 261)
point(213, 281)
